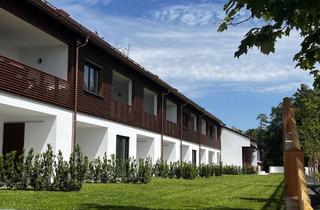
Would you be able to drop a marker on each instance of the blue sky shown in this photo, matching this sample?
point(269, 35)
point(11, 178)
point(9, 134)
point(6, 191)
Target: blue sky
point(177, 40)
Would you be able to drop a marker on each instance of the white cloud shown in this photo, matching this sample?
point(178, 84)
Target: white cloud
point(190, 15)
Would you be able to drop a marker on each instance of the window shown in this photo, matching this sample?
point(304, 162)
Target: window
point(194, 157)
point(193, 122)
point(91, 78)
point(122, 152)
point(185, 120)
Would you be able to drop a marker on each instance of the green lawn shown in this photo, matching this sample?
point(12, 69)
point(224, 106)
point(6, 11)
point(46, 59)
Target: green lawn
point(227, 192)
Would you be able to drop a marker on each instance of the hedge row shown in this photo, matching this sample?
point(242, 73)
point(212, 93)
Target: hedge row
point(113, 171)
point(43, 171)
point(52, 173)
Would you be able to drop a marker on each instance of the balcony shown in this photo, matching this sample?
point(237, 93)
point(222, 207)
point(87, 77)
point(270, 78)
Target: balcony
point(21, 79)
point(130, 115)
point(171, 129)
point(190, 135)
point(210, 141)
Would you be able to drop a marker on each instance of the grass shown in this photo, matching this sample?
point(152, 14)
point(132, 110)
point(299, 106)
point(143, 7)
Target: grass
point(228, 192)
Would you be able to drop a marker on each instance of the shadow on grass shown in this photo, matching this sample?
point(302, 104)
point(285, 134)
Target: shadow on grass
point(113, 207)
point(276, 200)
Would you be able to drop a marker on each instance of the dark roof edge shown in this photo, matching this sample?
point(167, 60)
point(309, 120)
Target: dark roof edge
point(240, 133)
point(74, 25)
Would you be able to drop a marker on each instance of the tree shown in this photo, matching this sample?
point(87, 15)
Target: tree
point(279, 18)
point(307, 103)
point(269, 137)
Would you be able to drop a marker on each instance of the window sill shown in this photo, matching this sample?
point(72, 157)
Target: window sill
point(93, 94)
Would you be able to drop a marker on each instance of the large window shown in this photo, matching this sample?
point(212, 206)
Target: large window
point(122, 152)
point(91, 78)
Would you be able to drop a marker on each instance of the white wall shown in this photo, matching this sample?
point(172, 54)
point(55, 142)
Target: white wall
point(171, 111)
point(115, 128)
point(171, 149)
point(231, 147)
point(54, 59)
point(204, 156)
point(93, 141)
point(44, 123)
point(39, 134)
point(276, 169)
point(8, 50)
point(149, 102)
point(121, 88)
point(145, 148)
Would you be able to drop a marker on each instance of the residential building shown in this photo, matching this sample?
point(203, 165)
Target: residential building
point(62, 84)
point(238, 149)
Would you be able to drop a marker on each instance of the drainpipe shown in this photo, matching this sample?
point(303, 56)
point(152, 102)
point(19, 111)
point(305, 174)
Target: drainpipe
point(181, 128)
point(200, 134)
point(162, 119)
point(75, 110)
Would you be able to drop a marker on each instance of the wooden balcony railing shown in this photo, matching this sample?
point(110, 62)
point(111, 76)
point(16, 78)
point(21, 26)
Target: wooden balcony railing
point(190, 135)
point(171, 129)
point(20, 79)
point(130, 115)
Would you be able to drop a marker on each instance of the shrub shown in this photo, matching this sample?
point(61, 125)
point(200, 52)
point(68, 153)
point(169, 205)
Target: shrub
point(104, 169)
point(189, 171)
point(144, 172)
point(20, 180)
point(78, 168)
point(232, 170)
point(9, 169)
point(249, 169)
point(112, 168)
point(27, 171)
point(161, 169)
point(36, 179)
point(61, 178)
point(46, 168)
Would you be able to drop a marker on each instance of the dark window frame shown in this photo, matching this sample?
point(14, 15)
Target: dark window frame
point(123, 152)
point(96, 70)
point(194, 157)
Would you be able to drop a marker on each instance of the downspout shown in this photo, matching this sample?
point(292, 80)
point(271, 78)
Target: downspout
point(75, 110)
point(181, 128)
point(200, 134)
point(162, 120)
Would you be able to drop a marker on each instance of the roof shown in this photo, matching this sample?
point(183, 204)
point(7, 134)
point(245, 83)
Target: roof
point(242, 134)
point(65, 19)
